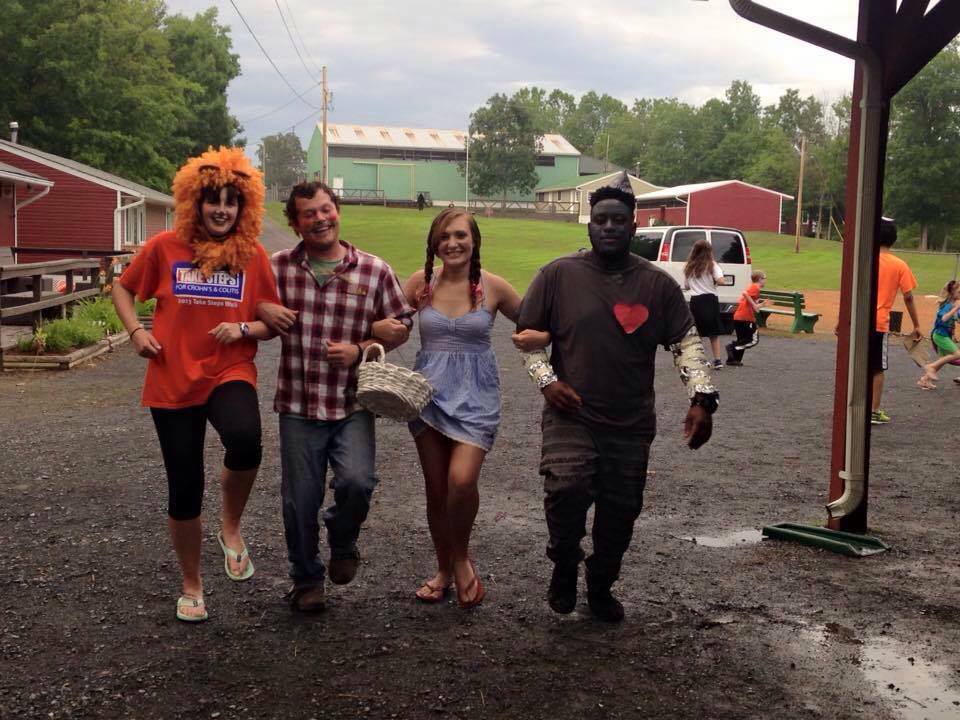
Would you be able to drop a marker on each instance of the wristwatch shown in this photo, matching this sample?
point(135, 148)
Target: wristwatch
point(708, 401)
point(244, 329)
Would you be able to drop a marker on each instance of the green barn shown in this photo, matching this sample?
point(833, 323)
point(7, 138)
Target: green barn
point(404, 162)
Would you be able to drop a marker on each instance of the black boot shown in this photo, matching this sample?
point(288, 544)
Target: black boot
point(562, 595)
point(603, 604)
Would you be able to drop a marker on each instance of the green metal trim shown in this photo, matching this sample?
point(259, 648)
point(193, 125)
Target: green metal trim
point(844, 543)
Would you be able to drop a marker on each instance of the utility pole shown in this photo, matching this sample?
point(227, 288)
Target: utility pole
point(606, 156)
point(803, 157)
point(323, 162)
point(263, 145)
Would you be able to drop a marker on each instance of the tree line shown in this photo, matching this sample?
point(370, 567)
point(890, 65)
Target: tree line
point(117, 84)
point(669, 142)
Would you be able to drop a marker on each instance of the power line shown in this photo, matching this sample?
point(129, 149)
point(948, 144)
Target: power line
point(293, 20)
point(292, 41)
point(269, 59)
point(278, 109)
point(293, 127)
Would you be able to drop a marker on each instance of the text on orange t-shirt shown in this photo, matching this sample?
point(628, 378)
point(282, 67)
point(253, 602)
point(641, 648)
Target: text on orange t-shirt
point(191, 363)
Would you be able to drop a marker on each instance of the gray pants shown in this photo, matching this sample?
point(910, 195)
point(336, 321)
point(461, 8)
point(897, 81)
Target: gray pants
point(584, 466)
point(307, 447)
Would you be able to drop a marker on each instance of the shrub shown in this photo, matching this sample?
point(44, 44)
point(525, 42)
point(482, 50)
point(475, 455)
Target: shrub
point(59, 336)
point(99, 311)
point(62, 335)
point(145, 309)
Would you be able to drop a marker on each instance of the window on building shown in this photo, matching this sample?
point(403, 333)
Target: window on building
point(435, 136)
point(358, 131)
point(546, 161)
point(357, 153)
point(333, 132)
point(386, 135)
point(410, 136)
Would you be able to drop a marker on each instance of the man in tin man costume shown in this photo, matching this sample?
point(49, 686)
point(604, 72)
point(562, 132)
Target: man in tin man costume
point(606, 310)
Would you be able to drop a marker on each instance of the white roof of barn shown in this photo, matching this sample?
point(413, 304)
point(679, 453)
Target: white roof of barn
point(347, 135)
point(687, 190)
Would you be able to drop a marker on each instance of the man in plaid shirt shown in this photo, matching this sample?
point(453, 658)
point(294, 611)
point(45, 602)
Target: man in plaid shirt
point(335, 297)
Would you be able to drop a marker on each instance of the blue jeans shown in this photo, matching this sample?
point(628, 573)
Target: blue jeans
point(306, 448)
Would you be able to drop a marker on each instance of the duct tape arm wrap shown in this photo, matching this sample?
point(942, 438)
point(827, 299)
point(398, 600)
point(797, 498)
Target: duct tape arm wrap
point(692, 365)
point(539, 368)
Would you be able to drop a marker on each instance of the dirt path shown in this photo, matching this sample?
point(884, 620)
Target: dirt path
point(88, 580)
point(827, 303)
point(274, 237)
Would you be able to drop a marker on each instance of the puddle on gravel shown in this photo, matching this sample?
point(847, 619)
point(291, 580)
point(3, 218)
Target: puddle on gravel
point(916, 688)
point(734, 539)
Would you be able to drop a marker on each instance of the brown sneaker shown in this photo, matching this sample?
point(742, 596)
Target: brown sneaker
point(309, 599)
point(342, 570)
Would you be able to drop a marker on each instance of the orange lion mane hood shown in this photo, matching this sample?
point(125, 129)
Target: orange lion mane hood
point(217, 169)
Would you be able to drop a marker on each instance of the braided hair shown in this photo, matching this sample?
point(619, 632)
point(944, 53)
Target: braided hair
point(437, 228)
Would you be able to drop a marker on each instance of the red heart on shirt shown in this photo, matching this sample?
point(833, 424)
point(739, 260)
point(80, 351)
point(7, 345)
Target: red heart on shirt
point(631, 317)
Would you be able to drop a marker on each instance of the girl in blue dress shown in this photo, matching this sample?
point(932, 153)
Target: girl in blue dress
point(457, 304)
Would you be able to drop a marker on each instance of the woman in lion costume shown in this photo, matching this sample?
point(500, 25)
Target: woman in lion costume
point(207, 275)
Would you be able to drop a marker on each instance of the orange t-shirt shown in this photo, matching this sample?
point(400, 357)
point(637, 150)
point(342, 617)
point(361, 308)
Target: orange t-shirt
point(892, 274)
point(191, 362)
point(744, 311)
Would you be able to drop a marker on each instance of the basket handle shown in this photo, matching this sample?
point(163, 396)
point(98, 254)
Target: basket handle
point(379, 348)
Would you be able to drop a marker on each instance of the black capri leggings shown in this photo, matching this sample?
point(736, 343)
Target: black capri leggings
point(234, 412)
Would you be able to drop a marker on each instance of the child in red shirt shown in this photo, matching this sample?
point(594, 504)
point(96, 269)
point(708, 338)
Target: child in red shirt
point(745, 320)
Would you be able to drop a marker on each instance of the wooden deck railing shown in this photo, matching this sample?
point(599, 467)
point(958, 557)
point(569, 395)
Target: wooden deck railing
point(93, 274)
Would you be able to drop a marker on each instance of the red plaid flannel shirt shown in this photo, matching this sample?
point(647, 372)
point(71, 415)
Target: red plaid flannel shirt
point(362, 289)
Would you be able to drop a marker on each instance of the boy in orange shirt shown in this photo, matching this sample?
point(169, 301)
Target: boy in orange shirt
point(745, 320)
point(893, 274)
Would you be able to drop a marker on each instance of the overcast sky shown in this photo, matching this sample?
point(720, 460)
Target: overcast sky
point(430, 63)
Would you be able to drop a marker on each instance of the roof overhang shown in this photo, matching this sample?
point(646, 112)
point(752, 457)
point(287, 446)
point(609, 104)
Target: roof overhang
point(24, 179)
point(50, 161)
point(685, 191)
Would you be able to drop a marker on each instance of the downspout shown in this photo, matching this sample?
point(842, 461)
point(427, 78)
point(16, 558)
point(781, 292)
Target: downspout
point(32, 199)
point(19, 206)
point(854, 470)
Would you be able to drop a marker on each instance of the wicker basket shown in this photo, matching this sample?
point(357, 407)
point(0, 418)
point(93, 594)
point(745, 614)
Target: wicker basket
point(390, 390)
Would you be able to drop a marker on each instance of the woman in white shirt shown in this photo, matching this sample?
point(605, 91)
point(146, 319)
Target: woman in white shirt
point(701, 277)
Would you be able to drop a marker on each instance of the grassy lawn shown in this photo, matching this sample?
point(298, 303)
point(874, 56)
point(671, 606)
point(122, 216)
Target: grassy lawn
point(515, 249)
point(817, 266)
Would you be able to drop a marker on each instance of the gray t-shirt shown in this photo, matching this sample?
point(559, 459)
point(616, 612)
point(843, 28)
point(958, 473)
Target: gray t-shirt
point(578, 302)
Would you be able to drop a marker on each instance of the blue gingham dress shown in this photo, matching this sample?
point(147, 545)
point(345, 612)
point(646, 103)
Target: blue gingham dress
point(457, 359)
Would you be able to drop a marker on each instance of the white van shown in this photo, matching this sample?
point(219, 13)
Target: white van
point(669, 248)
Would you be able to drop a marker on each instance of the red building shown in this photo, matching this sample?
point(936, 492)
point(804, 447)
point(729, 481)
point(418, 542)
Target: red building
point(18, 188)
point(728, 203)
point(86, 210)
